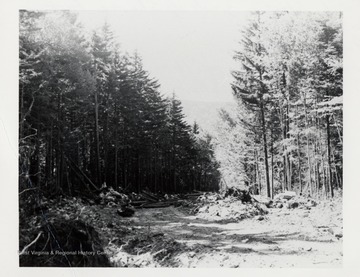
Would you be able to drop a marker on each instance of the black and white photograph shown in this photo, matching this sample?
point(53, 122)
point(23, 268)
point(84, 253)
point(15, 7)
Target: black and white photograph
point(180, 138)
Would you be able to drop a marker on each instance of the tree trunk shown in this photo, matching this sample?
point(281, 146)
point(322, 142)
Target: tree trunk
point(307, 144)
point(338, 129)
point(272, 165)
point(257, 174)
point(289, 172)
point(265, 150)
point(59, 147)
point(329, 155)
point(298, 151)
point(116, 158)
point(97, 140)
point(299, 162)
point(106, 147)
point(287, 135)
point(284, 184)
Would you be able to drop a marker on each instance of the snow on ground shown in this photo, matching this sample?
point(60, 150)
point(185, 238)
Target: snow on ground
point(283, 238)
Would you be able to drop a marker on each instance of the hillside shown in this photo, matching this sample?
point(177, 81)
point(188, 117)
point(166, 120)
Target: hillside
point(206, 114)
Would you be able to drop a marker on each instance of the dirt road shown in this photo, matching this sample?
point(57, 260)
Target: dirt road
point(282, 238)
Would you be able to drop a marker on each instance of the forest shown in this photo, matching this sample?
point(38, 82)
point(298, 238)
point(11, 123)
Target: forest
point(111, 173)
point(91, 115)
point(286, 133)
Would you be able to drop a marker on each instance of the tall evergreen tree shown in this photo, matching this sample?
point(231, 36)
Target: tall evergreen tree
point(250, 83)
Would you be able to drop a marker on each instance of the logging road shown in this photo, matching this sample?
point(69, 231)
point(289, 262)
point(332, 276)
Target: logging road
point(284, 238)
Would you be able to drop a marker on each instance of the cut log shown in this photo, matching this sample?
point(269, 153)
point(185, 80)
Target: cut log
point(194, 194)
point(147, 199)
point(151, 195)
point(156, 205)
point(138, 203)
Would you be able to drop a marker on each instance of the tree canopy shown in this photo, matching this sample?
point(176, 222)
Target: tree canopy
point(288, 88)
point(92, 115)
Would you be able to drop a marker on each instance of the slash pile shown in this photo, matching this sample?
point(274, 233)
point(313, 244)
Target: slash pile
point(290, 200)
point(228, 208)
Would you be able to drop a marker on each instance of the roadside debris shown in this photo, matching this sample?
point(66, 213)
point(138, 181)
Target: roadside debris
point(232, 206)
point(146, 249)
point(145, 240)
point(62, 243)
point(290, 200)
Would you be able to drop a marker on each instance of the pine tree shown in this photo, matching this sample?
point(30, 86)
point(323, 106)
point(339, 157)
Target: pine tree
point(292, 72)
point(250, 85)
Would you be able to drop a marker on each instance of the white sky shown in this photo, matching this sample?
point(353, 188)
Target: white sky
point(189, 52)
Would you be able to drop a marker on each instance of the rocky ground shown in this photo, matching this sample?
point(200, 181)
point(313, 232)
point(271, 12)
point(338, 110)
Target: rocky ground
point(282, 238)
point(218, 232)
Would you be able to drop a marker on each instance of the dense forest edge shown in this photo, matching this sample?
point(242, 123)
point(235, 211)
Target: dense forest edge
point(287, 132)
point(91, 115)
point(94, 126)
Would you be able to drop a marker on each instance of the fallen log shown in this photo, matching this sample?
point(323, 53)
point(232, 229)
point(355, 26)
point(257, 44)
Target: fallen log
point(138, 203)
point(192, 195)
point(172, 201)
point(156, 205)
point(149, 196)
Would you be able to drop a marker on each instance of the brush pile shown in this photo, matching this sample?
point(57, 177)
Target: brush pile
point(232, 206)
point(62, 243)
point(146, 250)
point(290, 200)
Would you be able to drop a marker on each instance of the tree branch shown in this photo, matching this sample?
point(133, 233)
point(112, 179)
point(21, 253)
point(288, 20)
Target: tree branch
point(25, 190)
point(30, 244)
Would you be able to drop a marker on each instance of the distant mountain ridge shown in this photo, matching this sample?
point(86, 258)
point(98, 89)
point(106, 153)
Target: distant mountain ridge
point(205, 113)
